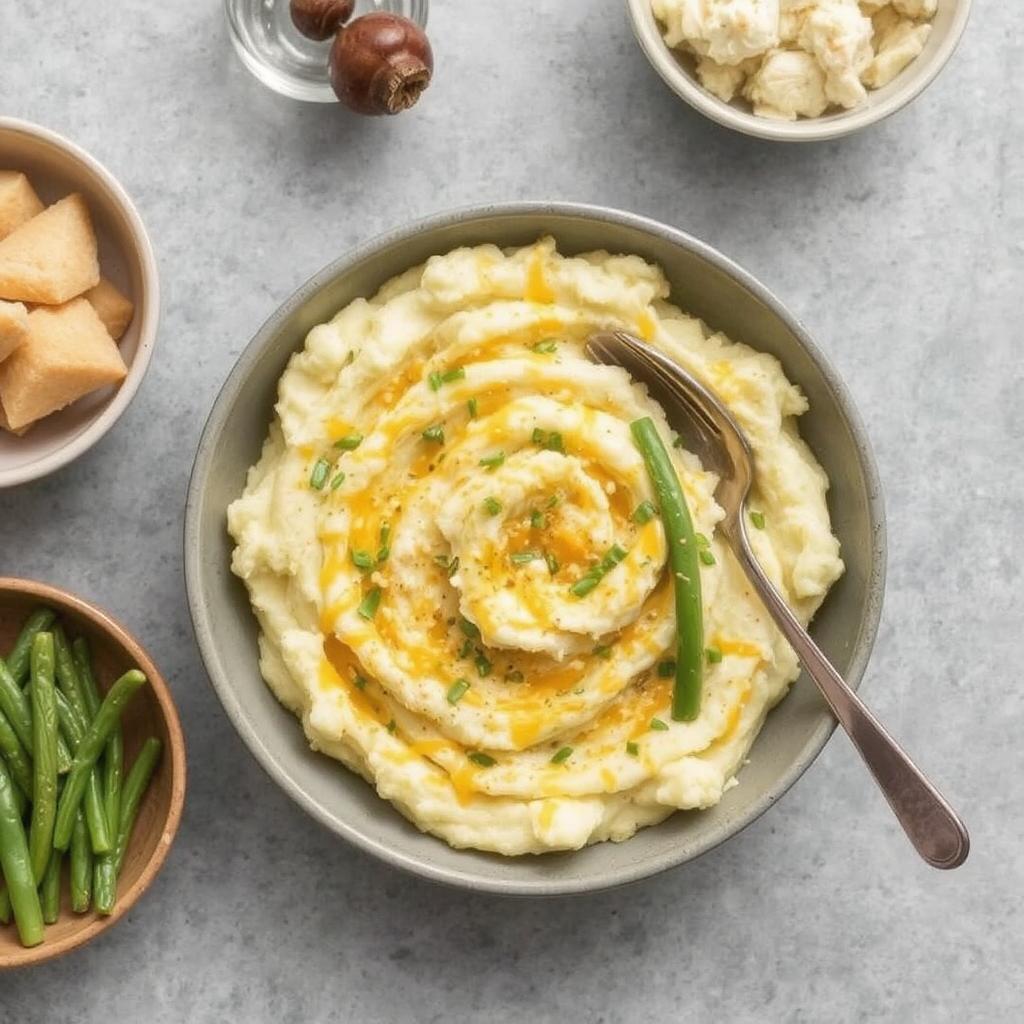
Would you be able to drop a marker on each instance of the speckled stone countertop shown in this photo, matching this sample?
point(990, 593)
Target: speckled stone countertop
point(900, 248)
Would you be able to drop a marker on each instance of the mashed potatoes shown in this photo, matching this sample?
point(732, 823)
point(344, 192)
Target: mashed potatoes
point(797, 58)
point(444, 464)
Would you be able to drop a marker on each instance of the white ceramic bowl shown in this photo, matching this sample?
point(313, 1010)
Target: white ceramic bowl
point(677, 71)
point(56, 167)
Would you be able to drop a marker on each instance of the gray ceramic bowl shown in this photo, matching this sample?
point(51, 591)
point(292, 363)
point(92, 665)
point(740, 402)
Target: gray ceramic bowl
point(704, 283)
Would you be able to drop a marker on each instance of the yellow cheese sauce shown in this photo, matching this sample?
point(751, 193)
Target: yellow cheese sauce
point(419, 605)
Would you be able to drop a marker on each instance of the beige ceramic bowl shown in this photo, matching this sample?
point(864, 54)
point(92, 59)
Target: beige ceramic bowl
point(678, 72)
point(151, 713)
point(56, 167)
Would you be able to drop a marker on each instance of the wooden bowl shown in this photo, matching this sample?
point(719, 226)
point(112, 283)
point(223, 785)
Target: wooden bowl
point(151, 713)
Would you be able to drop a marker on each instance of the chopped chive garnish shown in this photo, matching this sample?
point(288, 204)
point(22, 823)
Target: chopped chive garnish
point(456, 373)
point(551, 502)
point(586, 583)
point(453, 567)
point(457, 691)
point(482, 759)
point(644, 513)
point(350, 358)
point(633, 749)
point(554, 442)
point(472, 407)
point(666, 669)
point(538, 520)
point(706, 556)
point(469, 629)
point(360, 681)
point(466, 649)
point(658, 725)
point(435, 381)
point(553, 565)
point(385, 542)
point(434, 433)
point(369, 604)
point(515, 676)
point(757, 518)
point(337, 481)
point(545, 347)
point(318, 477)
point(522, 557)
point(561, 756)
point(362, 560)
point(714, 655)
point(483, 666)
point(603, 651)
point(539, 436)
point(443, 561)
point(702, 541)
point(392, 726)
point(492, 506)
point(493, 461)
point(349, 443)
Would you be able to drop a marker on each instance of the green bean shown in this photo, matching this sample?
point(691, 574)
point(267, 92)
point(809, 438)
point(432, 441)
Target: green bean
point(89, 751)
point(5, 905)
point(15, 705)
point(108, 867)
point(67, 675)
point(49, 891)
point(113, 754)
point(44, 760)
point(14, 754)
point(83, 665)
point(17, 866)
point(100, 832)
point(18, 659)
point(81, 866)
point(685, 568)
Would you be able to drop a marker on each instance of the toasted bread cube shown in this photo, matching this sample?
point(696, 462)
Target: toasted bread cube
point(4, 425)
point(18, 201)
point(52, 257)
point(13, 327)
point(67, 354)
point(114, 309)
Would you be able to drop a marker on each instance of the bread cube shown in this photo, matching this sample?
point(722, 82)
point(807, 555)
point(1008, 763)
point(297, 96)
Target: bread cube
point(4, 425)
point(51, 258)
point(18, 201)
point(113, 308)
point(13, 327)
point(67, 354)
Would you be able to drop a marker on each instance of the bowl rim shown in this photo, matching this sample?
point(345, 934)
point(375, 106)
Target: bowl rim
point(193, 568)
point(122, 398)
point(812, 129)
point(48, 593)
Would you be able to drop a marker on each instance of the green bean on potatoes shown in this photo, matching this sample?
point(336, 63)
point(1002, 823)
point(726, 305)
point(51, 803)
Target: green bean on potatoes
point(684, 566)
point(17, 866)
point(44, 757)
point(89, 751)
point(108, 867)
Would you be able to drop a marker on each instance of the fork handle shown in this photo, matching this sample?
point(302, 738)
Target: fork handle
point(934, 828)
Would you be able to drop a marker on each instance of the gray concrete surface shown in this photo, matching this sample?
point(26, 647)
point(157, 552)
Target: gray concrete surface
point(901, 248)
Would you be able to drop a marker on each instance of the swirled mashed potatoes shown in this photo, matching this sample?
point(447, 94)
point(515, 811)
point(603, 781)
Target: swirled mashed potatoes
point(444, 464)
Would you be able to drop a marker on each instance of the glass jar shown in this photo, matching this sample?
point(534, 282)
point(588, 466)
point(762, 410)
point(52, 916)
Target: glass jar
point(285, 60)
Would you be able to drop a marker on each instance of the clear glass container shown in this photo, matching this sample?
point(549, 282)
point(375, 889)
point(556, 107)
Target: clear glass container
point(282, 58)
